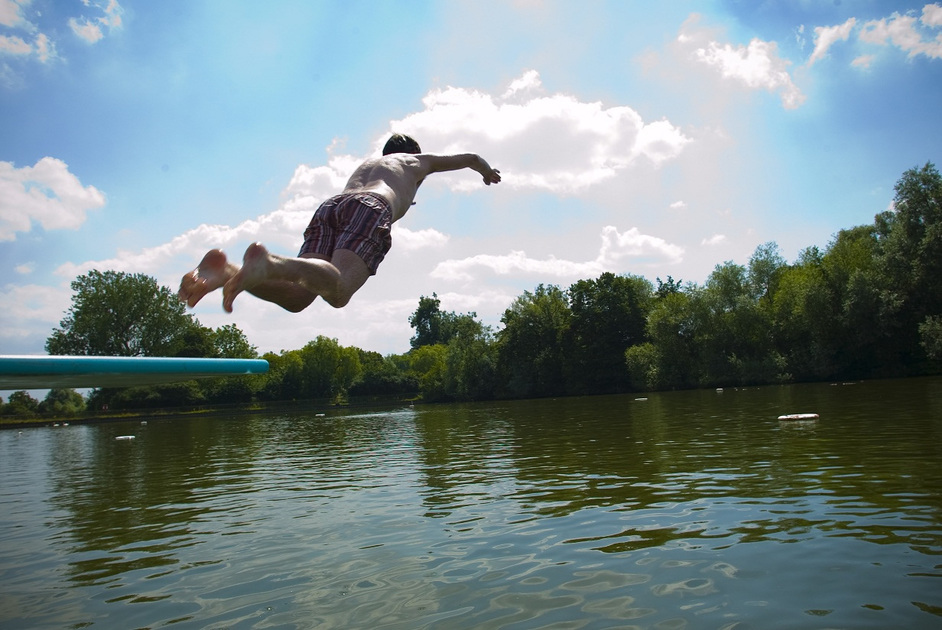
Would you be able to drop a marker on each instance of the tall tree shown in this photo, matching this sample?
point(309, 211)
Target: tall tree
point(609, 314)
point(471, 362)
point(427, 322)
point(911, 252)
point(116, 313)
point(532, 348)
point(231, 343)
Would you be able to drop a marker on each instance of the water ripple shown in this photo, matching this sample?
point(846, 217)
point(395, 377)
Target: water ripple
point(691, 510)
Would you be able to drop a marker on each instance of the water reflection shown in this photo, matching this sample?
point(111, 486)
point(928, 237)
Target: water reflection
point(689, 509)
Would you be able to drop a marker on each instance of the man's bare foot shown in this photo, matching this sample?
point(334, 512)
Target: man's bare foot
point(212, 272)
point(256, 267)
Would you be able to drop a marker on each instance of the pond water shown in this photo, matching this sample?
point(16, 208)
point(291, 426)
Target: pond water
point(672, 510)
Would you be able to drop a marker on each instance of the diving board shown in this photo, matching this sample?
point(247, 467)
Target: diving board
point(59, 372)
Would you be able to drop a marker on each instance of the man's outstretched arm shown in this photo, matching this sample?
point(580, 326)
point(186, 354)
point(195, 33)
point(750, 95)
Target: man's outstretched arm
point(430, 163)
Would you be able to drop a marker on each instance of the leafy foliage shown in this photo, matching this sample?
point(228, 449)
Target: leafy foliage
point(119, 314)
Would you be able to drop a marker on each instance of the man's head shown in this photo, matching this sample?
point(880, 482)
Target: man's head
point(399, 143)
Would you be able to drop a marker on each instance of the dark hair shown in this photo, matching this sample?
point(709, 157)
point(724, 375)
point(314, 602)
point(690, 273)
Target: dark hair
point(399, 143)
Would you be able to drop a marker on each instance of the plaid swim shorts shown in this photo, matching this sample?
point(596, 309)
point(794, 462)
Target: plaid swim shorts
point(359, 222)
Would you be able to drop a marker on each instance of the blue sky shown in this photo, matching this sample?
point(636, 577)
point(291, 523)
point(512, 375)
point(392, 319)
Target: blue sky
point(634, 137)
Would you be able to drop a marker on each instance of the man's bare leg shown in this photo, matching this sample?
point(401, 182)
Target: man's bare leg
point(215, 270)
point(279, 279)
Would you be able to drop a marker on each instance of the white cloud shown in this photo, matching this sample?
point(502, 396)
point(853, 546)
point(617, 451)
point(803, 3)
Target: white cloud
point(757, 66)
point(405, 239)
point(616, 249)
point(905, 32)
point(25, 268)
point(716, 239)
point(26, 41)
point(863, 61)
point(46, 193)
point(14, 45)
point(90, 29)
point(552, 142)
point(30, 311)
point(679, 205)
point(932, 15)
point(527, 83)
point(826, 36)
point(41, 47)
point(86, 30)
point(11, 13)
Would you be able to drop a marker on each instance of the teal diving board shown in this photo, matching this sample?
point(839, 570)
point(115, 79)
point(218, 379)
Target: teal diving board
point(59, 372)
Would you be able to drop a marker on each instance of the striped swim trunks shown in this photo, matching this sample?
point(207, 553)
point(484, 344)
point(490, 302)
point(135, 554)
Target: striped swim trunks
point(359, 222)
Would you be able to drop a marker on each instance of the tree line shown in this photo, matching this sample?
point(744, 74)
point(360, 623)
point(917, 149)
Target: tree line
point(867, 305)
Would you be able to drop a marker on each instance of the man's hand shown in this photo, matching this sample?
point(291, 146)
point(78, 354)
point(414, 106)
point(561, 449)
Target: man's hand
point(491, 175)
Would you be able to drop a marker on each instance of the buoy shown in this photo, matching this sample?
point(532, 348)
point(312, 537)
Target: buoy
point(799, 416)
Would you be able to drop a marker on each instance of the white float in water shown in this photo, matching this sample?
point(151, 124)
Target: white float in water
point(799, 416)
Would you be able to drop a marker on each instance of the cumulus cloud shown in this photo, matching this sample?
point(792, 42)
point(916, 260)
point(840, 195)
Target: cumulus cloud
point(46, 193)
point(405, 239)
point(914, 36)
point(932, 15)
point(553, 142)
point(617, 248)
point(911, 34)
point(756, 65)
point(716, 239)
point(826, 36)
point(30, 311)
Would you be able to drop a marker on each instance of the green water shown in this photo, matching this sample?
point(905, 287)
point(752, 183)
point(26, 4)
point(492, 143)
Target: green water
point(683, 510)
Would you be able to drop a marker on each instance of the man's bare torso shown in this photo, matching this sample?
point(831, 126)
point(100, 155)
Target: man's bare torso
point(394, 177)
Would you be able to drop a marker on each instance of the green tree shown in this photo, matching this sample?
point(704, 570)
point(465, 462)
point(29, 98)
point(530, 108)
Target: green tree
point(765, 267)
point(21, 404)
point(427, 322)
point(196, 341)
point(930, 332)
point(429, 365)
point(735, 336)
point(284, 378)
point(532, 347)
point(674, 329)
point(328, 369)
point(669, 287)
point(382, 376)
point(471, 361)
point(115, 313)
point(231, 343)
point(910, 258)
point(62, 402)
point(609, 314)
point(803, 319)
